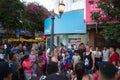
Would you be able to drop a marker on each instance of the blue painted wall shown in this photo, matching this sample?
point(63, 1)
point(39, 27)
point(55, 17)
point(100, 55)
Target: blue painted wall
point(70, 22)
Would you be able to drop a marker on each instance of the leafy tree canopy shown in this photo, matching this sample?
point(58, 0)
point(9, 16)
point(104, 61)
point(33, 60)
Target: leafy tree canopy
point(11, 12)
point(109, 17)
point(35, 14)
point(15, 14)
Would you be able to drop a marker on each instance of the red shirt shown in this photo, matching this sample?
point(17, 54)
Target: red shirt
point(114, 58)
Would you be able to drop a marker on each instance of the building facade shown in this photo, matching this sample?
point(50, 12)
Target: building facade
point(91, 37)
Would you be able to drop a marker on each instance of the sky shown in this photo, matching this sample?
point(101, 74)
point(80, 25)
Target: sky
point(46, 3)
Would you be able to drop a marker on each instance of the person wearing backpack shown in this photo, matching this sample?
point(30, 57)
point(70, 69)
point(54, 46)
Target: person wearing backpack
point(89, 61)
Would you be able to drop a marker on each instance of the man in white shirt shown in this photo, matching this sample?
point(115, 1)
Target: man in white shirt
point(105, 54)
point(118, 51)
point(97, 55)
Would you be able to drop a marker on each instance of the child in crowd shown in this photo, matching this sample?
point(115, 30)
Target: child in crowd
point(27, 66)
point(68, 60)
point(75, 59)
point(61, 64)
point(40, 65)
point(32, 58)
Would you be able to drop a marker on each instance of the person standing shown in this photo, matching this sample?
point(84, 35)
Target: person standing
point(40, 65)
point(14, 66)
point(113, 57)
point(75, 59)
point(89, 61)
point(81, 50)
point(32, 58)
point(98, 55)
point(68, 60)
point(105, 53)
point(27, 66)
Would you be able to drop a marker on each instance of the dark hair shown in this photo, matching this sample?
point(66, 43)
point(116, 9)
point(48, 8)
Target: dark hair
point(26, 57)
point(76, 51)
point(4, 70)
point(80, 70)
point(68, 51)
point(60, 57)
point(40, 53)
point(11, 55)
point(52, 67)
point(81, 44)
point(107, 70)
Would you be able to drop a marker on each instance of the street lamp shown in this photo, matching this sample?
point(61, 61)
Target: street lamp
point(61, 8)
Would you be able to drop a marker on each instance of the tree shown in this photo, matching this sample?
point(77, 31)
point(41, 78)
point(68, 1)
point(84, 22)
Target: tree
point(35, 15)
point(109, 17)
point(11, 13)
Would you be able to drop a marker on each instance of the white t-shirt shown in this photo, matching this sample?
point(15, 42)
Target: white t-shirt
point(97, 54)
point(1, 56)
point(76, 59)
point(105, 55)
point(118, 51)
point(63, 55)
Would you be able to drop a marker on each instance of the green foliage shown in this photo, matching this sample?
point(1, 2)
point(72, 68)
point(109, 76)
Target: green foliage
point(15, 14)
point(110, 16)
point(35, 14)
point(11, 12)
point(112, 33)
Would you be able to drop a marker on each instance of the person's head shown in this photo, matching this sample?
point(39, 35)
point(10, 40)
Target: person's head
point(32, 52)
point(40, 53)
point(79, 70)
point(62, 50)
point(24, 48)
point(97, 49)
point(81, 45)
point(4, 71)
point(72, 47)
point(13, 56)
point(87, 49)
point(107, 71)
point(111, 49)
point(67, 53)
point(60, 58)
point(52, 67)
point(26, 57)
point(105, 48)
point(91, 48)
point(76, 52)
point(20, 45)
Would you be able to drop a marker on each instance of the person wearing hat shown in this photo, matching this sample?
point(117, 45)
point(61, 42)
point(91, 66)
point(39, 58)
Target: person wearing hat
point(5, 71)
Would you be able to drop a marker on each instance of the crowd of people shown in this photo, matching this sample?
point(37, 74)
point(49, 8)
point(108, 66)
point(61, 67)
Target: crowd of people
point(25, 62)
